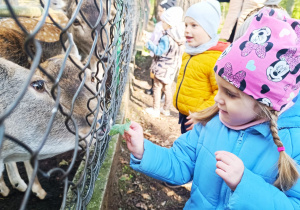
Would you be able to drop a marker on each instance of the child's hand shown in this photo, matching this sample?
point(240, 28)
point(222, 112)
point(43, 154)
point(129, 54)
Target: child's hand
point(135, 140)
point(189, 122)
point(144, 39)
point(146, 36)
point(230, 168)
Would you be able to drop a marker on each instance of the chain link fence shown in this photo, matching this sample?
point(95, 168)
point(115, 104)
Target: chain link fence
point(63, 70)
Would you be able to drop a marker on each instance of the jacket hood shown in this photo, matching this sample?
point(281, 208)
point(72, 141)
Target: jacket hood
point(291, 117)
point(221, 46)
point(177, 33)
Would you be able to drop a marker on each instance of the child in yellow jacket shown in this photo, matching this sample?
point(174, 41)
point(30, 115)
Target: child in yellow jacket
point(196, 85)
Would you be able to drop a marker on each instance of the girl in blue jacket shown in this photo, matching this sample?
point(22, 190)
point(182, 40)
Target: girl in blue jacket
point(245, 150)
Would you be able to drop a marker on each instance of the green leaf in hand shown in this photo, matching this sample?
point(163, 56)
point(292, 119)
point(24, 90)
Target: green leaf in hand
point(120, 128)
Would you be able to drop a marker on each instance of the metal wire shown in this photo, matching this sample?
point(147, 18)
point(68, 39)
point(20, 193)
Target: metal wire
point(114, 30)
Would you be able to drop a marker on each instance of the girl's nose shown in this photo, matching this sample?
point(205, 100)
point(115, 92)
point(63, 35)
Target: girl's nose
point(218, 99)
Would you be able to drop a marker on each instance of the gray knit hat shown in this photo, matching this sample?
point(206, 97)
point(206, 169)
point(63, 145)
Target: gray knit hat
point(166, 4)
point(207, 14)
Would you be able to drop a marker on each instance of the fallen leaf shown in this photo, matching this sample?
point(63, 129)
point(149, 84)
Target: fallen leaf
point(141, 205)
point(130, 191)
point(178, 197)
point(147, 135)
point(170, 193)
point(123, 161)
point(146, 196)
point(63, 163)
point(136, 182)
point(137, 67)
point(124, 177)
point(152, 188)
point(163, 203)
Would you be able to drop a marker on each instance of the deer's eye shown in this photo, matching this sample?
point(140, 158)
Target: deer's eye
point(38, 85)
point(76, 22)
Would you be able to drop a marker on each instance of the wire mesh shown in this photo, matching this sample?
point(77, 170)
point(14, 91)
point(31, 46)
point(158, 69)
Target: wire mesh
point(63, 71)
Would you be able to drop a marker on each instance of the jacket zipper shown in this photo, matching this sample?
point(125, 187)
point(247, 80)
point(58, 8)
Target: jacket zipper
point(239, 142)
point(181, 82)
point(236, 151)
point(240, 139)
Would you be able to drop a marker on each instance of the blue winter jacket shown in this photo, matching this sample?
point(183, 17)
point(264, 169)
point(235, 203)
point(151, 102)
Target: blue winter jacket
point(192, 158)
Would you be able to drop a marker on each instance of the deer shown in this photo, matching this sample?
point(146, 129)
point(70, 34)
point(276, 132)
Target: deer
point(48, 37)
point(38, 99)
point(12, 41)
point(81, 31)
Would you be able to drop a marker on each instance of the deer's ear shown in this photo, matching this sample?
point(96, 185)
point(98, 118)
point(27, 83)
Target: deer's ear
point(75, 52)
point(74, 49)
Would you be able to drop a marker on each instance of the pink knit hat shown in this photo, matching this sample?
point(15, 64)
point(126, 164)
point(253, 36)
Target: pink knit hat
point(265, 62)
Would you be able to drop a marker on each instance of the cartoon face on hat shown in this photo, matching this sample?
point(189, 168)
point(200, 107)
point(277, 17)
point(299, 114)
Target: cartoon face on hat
point(225, 52)
point(258, 42)
point(287, 63)
point(265, 62)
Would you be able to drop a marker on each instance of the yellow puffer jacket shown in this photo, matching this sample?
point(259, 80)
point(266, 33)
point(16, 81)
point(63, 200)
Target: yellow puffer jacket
point(196, 84)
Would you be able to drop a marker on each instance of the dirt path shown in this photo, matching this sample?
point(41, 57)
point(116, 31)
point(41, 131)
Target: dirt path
point(133, 190)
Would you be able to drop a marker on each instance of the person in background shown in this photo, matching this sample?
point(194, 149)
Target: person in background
point(245, 150)
point(158, 33)
point(196, 85)
point(237, 13)
point(164, 65)
point(269, 3)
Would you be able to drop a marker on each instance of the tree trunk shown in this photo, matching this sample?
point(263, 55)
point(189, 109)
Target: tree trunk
point(185, 4)
point(290, 6)
point(156, 3)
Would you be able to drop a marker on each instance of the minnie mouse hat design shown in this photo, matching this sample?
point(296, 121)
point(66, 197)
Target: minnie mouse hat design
point(265, 62)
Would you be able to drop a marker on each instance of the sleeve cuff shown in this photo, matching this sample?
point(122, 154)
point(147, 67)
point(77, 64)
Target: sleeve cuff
point(148, 45)
point(134, 160)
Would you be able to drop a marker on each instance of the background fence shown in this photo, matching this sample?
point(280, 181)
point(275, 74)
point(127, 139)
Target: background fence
point(105, 35)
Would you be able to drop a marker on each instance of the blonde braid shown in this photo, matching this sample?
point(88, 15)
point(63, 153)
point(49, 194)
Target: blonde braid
point(287, 168)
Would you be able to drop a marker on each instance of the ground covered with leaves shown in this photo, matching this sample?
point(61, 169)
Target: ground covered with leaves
point(129, 189)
